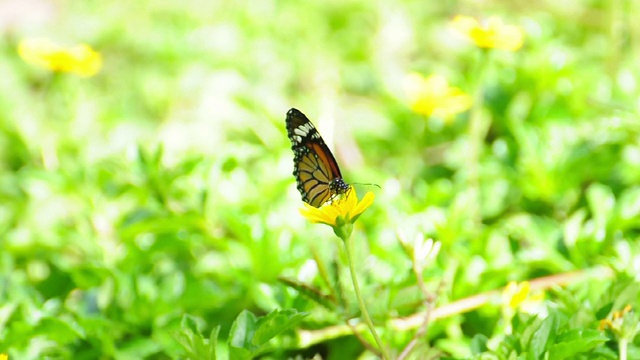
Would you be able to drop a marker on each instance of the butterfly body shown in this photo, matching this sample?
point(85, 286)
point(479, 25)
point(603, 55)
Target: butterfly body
point(315, 169)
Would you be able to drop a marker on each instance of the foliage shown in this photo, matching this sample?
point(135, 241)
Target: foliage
point(248, 338)
point(147, 207)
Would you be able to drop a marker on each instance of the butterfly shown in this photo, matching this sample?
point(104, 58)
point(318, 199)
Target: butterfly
point(316, 170)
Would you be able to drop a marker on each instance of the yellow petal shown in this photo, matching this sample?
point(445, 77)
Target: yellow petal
point(348, 203)
point(80, 59)
point(347, 208)
point(434, 96)
point(464, 24)
point(366, 201)
point(520, 295)
point(493, 33)
point(453, 104)
point(317, 215)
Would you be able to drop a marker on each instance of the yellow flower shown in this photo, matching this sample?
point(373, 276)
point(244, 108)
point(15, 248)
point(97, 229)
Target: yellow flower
point(80, 59)
point(491, 34)
point(433, 96)
point(616, 322)
point(340, 213)
point(517, 297)
point(4, 357)
point(515, 294)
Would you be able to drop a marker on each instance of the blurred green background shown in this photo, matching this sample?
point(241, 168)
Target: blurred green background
point(162, 186)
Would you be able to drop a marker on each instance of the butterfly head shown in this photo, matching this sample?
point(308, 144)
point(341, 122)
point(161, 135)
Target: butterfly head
point(338, 186)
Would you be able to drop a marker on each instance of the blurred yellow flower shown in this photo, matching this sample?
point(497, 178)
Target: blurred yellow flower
point(616, 321)
point(433, 96)
point(4, 357)
point(517, 296)
point(340, 213)
point(80, 59)
point(491, 34)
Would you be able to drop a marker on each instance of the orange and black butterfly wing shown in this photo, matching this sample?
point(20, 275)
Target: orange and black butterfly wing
point(316, 170)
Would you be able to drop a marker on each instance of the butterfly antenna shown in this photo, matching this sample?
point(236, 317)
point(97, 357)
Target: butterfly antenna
point(376, 185)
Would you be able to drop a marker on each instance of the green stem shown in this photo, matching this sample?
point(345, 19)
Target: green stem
point(477, 131)
point(356, 287)
point(622, 349)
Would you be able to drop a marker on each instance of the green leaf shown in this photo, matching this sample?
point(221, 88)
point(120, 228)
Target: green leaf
point(242, 332)
point(213, 341)
point(601, 202)
point(236, 353)
point(627, 295)
point(249, 335)
point(60, 330)
point(275, 323)
point(196, 345)
point(185, 339)
point(574, 342)
point(479, 344)
point(544, 335)
point(628, 207)
point(192, 323)
point(572, 228)
point(604, 311)
point(139, 349)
